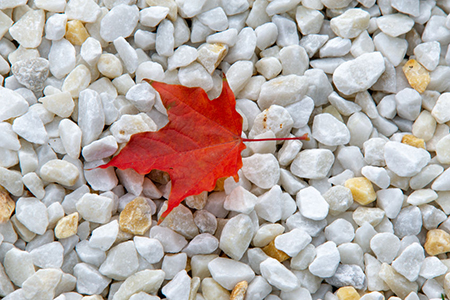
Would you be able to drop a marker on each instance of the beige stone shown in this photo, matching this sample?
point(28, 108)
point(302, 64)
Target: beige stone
point(180, 219)
point(362, 190)
point(76, 33)
point(136, 217)
point(437, 242)
point(239, 290)
point(417, 76)
point(92, 297)
point(272, 251)
point(213, 291)
point(195, 285)
point(197, 201)
point(7, 206)
point(347, 293)
point(171, 4)
point(77, 80)
point(396, 282)
point(411, 140)
point(67, 226)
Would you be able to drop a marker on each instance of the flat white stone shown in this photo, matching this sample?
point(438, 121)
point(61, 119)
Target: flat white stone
point(148, 281)
point(100, 149)
point(278, 275)
point(311, 204)
point(34, 184)
point(394, 49)
point(32, 213)
point(340, 231)
point(309, 21)
point(104, 236)
point(60, 171)
point(261, 169)
point(91, 50)
point(127, 54)
point(42, 284)
point(292, 242)
point(244, 47)
point(62, 58)
point(377, 175)
point(266, 35)
point(390, 200)
point(171, 241)
point(55, 27)
point(422, 196)
point(121, 261)
point(385, 246)
point(287, 31)
point(409, 262)
point(411, 7)
point(236, 236)
point(30, 127)
point(409, 103)
point(128, 125)
point(182, 56)
point(344, 107)
point(18, 265)
point(351, 23)
point(165, 41)
point(367, 67)
point(48, 256)
point(228, 37)
point(228, 272)
point(110, 28)
point(408, 222)
point(335, 47)
point(151, 16)
point(312, 163)
point(326, 261)
point(89, 279)
point(84, 10)
point(432, 267)
point(8, 138)
point(216, 19)
point(395, 24)
point(240, 200)
point(27, 31)
point(142, 95)
point(95, 208)
point(179, 287)
point(405, 160)
point(195, 75)
point(283, 90)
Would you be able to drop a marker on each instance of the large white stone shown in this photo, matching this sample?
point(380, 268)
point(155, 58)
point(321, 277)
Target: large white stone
point(228, 272)
point(405, 160)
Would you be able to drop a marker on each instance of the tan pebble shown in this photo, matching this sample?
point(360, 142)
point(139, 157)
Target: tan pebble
point(7, 206)
point(239, 290)
point(220, 184)
point(411, 140)
point(362, 190)
point(76, 33)
point(272, 251)
point(437, 242)
point(92, 297)
point(396, 282)
point(417, 76)
point(159, 176)
point(67, 226)
point(197, 201)
point(347, 293)
point(212, 290)
point(136, 217)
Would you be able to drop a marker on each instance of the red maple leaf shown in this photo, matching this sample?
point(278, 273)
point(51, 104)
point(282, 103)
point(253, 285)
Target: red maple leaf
point(201, 143)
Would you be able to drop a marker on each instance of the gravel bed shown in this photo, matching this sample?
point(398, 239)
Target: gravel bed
point(360, 211)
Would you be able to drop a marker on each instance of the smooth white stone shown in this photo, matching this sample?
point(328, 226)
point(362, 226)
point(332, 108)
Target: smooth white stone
point(27, 31)
point(441, 111)
point(42, 284)
point(30, 127)
point(432, 216)
point(387, 107)
point(228, 272)
point(165, 41)
point(216, 19)
point(77, 80)
point(103, 237)
point(91, 119)
point(266, 233)
point(283, 90)
point(89, 279)
point(288, 152)
point(385, 246)
point(48, 255)
point(395, 24)
point(127, 54)
point(377, 175)
point(351, 23)
point(394, 49)
point(172, 242)
point(147, 280)
point(199, 31)
point(149, 248)
point(59, 171)
point(34, 184)
point(409, 103)
point(84, 10)
point(293, 241)
point(61, 58)
point(183, 56)
point(91, 50)
point(405, 160)
point(422, 196)
point(326, 261)
point(228, 37)
point(55, 27)
point(268, 205)
point(432, 267)
point(240, 200)
point(442, 183)
point(424, 177)
point(128, 125)
point(330, 131)
point(311, 204)
point(110, 28)
point(287, 31)
point(309, 21)
point(18, 265)
point(408, 222)
point(368, 68)
point(70, 135)
point(100, 149)
point(95, 208)
point(8, 138)
point(261, 169)
point(339, 199)
point(244, 47)
point(151, 16)
point(360, 128)
point(121, 261)
point(239, 74)
point(390, 200)
point(278, 275)
point(340, 231)
point(424, 126)
point(335, 47)
point(266, 35)
point(195, 75)
point(410, 7)
point(32, 213)
point(142, 95)
point(236, 236)
point(294, 60)
point(312, 163)
point(269, 67)
point(435, 30)
point(409, 262)
point(173, 264)
point(313, 42)
point(178, 287)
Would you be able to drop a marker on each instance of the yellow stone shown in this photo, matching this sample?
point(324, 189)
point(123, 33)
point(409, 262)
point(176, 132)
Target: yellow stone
point(437, 242)
point(76, 33)
point(362, 190)
point(7, 206)
point(239, 290)
point(272, 251)
point(136, 217)
point(417, 76)
point(411, 140)
point(67, 226)
point(347, 293)
point(220, 184)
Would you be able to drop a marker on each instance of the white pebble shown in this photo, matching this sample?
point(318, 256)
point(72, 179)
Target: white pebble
point(228, 272)
point(32, 214)
point(409, 103)
point(405, 160)
point(330, 131)
point(409, 262)
point(121, 20)
point(121, 261)
point(95, 208)
point(261, 169)
point(395, 24)
point(127, 54)
point(61, 58)
point(240, 200)
point(394, 49)
point(165, 41)
point(91, 50)
point(236, 236)
point(326, 261)
point(293, 241)
point(385, 246)
point(151, 16)
point(312, 163)
point(340, 231)
point(149, 248)
point(55, 27)
point(309, 21)
point(84, 10)
point(244, 47)
point(351, 23)
point(311, 204)
point(390, 200)
point(30, 127)
point(278, 275)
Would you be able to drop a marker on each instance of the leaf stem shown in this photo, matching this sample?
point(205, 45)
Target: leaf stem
point(303, 137)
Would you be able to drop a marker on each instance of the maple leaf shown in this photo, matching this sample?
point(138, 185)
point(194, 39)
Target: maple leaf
point(201, 143)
